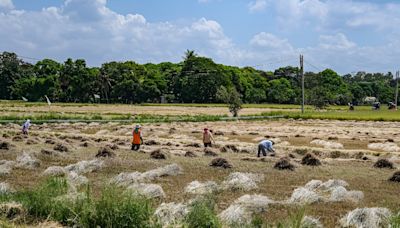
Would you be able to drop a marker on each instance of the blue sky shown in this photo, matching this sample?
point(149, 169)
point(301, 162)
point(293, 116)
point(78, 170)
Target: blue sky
point(344, 35)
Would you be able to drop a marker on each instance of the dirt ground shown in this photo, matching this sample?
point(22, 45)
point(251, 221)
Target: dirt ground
point(352, 163)
point(129, 109)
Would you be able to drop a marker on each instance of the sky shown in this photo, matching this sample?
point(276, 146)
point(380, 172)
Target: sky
point(344, 35)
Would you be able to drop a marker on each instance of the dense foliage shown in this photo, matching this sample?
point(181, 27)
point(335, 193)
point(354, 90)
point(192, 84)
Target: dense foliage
point(194, 80)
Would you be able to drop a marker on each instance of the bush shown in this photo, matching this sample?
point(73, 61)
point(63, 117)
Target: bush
point(117, 209)
point(39, 201)
point(114, 208)
point(395, 221)
point(202, 214)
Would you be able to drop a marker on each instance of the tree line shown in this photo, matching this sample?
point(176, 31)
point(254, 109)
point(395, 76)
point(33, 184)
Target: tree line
point(195, 79)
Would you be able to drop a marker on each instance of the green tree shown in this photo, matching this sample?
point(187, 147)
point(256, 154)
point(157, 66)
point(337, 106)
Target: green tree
point(200, 79)
point(232, 98)
point(328, 88)
point(77, 82)
point(12, 69)
point(280, 91)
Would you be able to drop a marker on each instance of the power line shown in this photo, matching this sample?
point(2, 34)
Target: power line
point(292, 58)
point(313, 66)
point(25, 57)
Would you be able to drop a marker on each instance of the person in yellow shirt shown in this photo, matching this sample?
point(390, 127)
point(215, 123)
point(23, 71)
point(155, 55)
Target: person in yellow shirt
point(137, 139)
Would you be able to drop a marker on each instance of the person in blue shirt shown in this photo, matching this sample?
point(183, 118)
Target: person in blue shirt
point(265, 147)
point(25, 127)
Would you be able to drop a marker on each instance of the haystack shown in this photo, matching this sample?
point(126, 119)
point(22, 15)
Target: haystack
point(199, 188)
point(12, 211)
point(50, 141)
point(17, 138)
point(55, 171)
point(5, 188)
point(84, 144)
point(395, 177)
point(61, 147)
point(47, 152)
point(387, 146)
point(171, 214)
point(327, 144)
point(330, 191)
point(311, 160)
point(383, 163)
point(284, 164)
point(157, 154)
point(151, 142)
point(230, 148)
point(210, 152)
point(147, 190)
point(310, 222)
point(197, 145)
point(220, 162)
point(241, 211)
point(76, 179)
point(105, 152)
point(27, 161)
point(5, 145)
point(125, 179)
point(83, 167)
point(190, 154)
point(304, 196)
point(367, 217)
point(6, 167)
point(242, 181)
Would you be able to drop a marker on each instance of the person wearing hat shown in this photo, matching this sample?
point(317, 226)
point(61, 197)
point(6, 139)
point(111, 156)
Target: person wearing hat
point(25, 127)
point(137, 138)
point(265, 147)
point(207, 138)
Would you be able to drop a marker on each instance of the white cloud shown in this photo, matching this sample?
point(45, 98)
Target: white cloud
point(89, 29)
point(257, 5)
point(6, 4)
point(338, 41)
point(270, 41)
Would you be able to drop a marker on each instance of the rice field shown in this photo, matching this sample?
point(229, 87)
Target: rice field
point(347, 151)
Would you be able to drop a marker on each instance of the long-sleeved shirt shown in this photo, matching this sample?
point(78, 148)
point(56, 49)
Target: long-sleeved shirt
point(266, 144)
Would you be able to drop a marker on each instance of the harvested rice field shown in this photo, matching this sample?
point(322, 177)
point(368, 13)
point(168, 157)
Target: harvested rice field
point(333, 167)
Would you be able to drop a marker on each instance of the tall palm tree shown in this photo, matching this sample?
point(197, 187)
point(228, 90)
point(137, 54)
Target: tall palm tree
point(189, 54)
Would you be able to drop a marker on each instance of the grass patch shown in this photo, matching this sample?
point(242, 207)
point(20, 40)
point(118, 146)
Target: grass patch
point(202, 214)
point(113, 208)
point(361, 115)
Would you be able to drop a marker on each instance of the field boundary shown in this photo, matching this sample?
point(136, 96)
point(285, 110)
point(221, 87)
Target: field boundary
point(153, 120)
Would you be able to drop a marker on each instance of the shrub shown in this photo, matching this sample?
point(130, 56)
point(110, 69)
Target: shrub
point(202, 214)
point(114, 208)
point(117, 209)
point(395, 221)
point(38, 201)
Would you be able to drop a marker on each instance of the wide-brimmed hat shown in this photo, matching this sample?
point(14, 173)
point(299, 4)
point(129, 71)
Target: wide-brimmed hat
point(138, 126)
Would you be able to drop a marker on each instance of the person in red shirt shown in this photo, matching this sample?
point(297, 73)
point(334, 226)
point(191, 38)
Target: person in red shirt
point(137, 139)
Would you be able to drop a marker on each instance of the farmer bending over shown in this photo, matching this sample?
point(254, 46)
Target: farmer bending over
point(25, 127)
point(265, 146)
point(137, 138)
point(207, 138)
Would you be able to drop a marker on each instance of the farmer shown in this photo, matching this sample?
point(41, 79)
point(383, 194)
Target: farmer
point(207, 138)
point(137, 138)
point(265, 146)
point(25, 127)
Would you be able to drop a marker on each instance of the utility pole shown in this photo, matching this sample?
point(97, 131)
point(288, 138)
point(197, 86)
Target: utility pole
point(397, 88)
point(302, 82)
